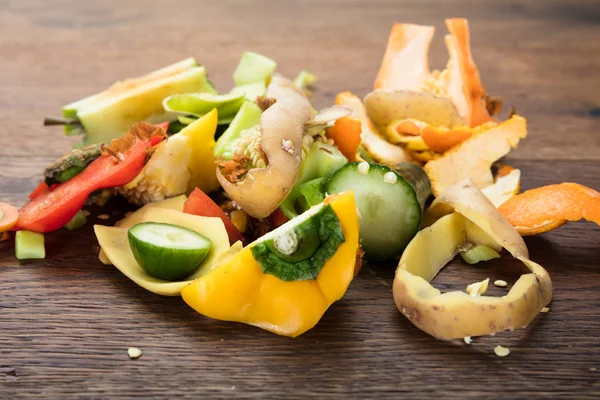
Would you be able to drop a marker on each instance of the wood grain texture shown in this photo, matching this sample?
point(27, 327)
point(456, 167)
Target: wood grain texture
point(66, 322)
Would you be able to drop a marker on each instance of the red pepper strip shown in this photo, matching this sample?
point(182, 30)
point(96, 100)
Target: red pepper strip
point(41, 188)
point(51, 210)
point(198, 203)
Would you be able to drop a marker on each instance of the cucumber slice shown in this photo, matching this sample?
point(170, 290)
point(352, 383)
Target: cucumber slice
point(166, 251)
point(29, 245)
point(390, 208)
point(77, 221)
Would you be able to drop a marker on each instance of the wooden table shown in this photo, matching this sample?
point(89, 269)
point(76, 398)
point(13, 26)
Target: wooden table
point(66, 322)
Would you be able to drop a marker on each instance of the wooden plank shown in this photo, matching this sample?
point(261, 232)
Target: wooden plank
point(66, 322)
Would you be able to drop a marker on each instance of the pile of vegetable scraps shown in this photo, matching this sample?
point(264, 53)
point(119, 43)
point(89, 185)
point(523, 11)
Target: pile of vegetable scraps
point(254, 207)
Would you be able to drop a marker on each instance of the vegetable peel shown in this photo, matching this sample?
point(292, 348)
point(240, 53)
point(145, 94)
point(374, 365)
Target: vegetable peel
point(474, 157)
point(456, 314)
point(546, 208)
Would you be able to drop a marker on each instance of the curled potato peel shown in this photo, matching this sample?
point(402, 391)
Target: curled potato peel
point(263, 189)
point(455, 315)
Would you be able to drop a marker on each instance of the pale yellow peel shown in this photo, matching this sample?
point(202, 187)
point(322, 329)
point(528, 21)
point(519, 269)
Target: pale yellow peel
point(115, 243)
point(456, 314)
point(474, 157)
point(175, 203)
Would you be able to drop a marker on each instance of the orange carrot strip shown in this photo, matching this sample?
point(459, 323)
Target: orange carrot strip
point(405, 64)
point(548, 207)
point(346, 136)
point(465, 85)
point(8, 217)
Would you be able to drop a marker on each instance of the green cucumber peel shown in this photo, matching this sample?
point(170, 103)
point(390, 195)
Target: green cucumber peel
point(167, 251)
point(479, 253)
point(199, 104)
point(247, 117)
point(29, 245)
point(250, 90)
point(318, 231)
point(321, 161)
point(77, 221)
point(253, 67)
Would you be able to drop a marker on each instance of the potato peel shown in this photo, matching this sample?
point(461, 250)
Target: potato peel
point(263, 189)
point(549, 207)
point(474, 157)
point(456, 314)
point(378, 148)
point(385, 106)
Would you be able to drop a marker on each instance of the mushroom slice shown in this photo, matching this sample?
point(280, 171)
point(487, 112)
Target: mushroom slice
point(456, 314)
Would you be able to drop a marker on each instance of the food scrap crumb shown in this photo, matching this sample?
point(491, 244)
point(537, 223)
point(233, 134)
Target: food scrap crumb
point(287, 145)
point(134, 353)
point(478, 288)
point(500, 283)
point(593, 369)
point(545, 309)
point(103, 216)
point(86, 213)
point(501, 351)
point(4, 236)
point(468, 339)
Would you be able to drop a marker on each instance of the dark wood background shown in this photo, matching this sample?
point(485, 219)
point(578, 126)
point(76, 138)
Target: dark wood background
point(66, 322)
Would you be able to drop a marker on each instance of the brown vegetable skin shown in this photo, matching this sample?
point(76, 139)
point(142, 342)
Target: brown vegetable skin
point(455, 315)
point(263, 189)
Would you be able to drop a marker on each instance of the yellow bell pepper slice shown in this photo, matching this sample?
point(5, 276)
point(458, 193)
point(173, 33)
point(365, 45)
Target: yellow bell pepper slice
point(115, 243)
point(201, 139)
point(239, 290)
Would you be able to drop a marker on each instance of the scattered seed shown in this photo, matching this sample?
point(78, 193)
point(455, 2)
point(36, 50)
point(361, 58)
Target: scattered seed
point(468, 339)
point(134, 353)
point(390, 177)
point(500, 283)
point(501, 351)
point(545, 309)
point(103, 216)
point(86, 213)
point(363, 168)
